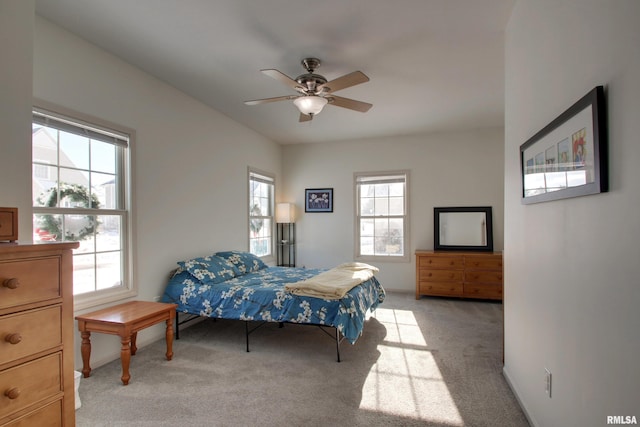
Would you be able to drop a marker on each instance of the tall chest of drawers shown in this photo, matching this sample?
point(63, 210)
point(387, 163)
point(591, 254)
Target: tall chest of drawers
point(36, 334)
point(459, 274)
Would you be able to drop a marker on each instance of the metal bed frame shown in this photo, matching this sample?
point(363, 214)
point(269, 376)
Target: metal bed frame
point(190, 317)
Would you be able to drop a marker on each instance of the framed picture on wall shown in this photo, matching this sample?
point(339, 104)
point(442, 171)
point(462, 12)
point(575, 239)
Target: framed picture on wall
point(318, 200)
point(568, 158)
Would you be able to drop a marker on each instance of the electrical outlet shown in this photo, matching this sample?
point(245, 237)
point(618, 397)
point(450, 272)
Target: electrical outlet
point(547, 381)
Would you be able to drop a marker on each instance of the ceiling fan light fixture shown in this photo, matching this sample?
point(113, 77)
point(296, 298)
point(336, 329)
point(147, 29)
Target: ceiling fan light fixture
point(310, 104)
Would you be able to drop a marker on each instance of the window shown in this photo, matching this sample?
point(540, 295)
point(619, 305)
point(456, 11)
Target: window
point(261, 193)
point(381, 216)
point(80, 190)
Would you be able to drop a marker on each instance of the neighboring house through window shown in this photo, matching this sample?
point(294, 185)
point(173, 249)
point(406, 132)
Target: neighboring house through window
point(81, 192)
point(261, 212)
point(382, 216)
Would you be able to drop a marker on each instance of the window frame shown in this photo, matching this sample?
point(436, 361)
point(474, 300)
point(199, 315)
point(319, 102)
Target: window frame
point(270, 179)
point(129, 287)
point(381, 175)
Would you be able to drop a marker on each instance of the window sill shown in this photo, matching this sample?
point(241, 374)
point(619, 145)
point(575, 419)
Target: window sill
point(373, 258)
point(94, 299)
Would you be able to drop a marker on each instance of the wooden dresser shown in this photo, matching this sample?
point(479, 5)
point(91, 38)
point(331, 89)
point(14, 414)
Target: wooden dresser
point(36, 334)
point(459, 274)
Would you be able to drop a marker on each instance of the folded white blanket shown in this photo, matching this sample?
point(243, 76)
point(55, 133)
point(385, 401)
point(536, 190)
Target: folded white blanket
point(335, 283)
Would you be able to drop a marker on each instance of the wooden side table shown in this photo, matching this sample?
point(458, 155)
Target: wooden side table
point(125, 320)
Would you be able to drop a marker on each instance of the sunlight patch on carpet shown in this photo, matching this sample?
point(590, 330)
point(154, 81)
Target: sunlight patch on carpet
point(406, 381)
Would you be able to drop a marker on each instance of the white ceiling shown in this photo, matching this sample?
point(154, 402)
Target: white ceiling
point(434, 65)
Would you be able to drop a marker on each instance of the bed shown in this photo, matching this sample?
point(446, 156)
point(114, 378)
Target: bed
point(238, 285)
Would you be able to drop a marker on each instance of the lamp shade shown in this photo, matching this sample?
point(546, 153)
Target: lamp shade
point(310, 104)
point(285, 213)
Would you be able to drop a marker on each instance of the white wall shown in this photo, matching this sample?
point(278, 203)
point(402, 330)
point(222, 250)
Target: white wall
point(191, 162)
point(16, 57)
point(453, 169)
point(571, 283)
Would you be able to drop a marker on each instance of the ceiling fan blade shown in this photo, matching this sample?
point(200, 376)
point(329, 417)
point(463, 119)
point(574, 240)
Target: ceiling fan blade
point(351, 104)
point(267, 100)
point(305, 117)
point(344, 82)
point(283, 78)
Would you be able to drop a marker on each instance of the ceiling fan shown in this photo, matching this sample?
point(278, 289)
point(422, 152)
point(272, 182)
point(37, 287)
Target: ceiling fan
point(315, 91)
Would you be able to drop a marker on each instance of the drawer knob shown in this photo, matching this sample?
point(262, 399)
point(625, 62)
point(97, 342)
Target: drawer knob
point(12, 393)
point(14, 338)
point(12, 283)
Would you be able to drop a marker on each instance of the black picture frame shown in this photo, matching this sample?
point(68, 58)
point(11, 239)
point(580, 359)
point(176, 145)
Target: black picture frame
point(461, 219)
point(318, 200)
point(568, 157)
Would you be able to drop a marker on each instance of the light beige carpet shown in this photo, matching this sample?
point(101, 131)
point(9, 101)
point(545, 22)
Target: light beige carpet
point(430, 362)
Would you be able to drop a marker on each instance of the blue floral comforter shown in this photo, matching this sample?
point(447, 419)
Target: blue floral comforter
point(260, 296)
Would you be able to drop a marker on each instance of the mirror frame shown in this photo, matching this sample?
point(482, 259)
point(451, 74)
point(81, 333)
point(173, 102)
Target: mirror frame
point(488, 247)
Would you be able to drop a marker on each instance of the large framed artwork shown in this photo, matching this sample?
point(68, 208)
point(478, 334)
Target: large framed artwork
point(318, 200)
point(568, 157)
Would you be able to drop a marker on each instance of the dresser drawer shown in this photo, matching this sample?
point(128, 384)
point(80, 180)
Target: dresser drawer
point(50, 416)
point(451, 262)
point(441, 288)
point(483, 262)
point(483, 276)
point(29, 332)
point(30, 280)
point(30, 383)
point(485, 291)
point(441, 275)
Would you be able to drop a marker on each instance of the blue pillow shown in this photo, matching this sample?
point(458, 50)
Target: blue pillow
point(243, 262)
point(209, 269)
